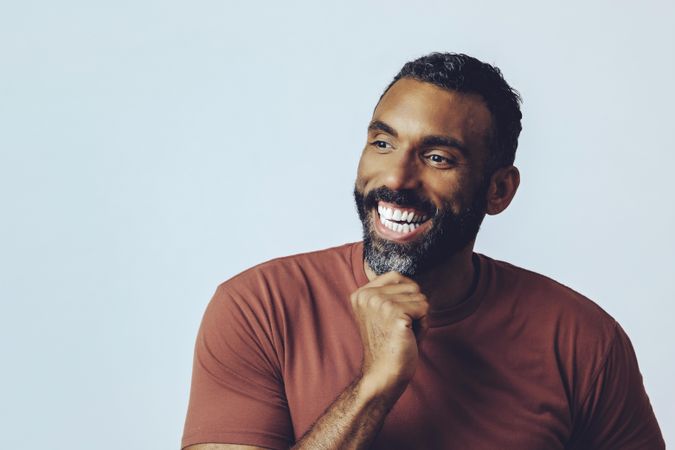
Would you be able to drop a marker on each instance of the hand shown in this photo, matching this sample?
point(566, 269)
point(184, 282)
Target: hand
point(392, 316)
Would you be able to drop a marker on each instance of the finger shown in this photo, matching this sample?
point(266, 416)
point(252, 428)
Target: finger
point(389, 302)
point(384, 303)
point(415, 309)
point(389, 278)
point(413, 320)
point(403, 298)
point(393, 289)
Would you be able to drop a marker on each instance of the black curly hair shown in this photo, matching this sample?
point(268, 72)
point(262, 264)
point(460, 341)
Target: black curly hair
point(463, 73)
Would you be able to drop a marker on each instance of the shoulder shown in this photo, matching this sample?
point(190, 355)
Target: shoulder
point(296, 266)
point(544, 293)
point(556, 320)
point(287, 276)
point(551, 309)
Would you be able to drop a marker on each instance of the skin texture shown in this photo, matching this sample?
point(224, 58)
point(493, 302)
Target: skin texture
point(391, 309)
point(416, 112)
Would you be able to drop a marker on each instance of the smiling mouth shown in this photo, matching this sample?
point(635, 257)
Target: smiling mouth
point(401, 220)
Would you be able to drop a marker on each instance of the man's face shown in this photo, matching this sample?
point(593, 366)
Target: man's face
point(420, 190)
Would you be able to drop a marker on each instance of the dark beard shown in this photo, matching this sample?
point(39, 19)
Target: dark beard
point(449, 232)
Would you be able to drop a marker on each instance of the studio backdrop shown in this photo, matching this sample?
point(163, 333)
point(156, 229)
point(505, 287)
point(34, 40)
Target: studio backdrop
point(151, 150)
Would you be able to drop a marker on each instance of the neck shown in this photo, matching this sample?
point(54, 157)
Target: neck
point(446, 284)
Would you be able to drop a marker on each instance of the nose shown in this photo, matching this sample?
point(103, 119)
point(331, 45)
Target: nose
point(401, 171)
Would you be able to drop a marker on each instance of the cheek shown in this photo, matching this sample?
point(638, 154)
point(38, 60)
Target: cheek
point(449, 194)
point(364, 172)
point(360, 183)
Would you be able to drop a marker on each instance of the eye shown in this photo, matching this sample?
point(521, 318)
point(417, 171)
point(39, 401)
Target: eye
point(382, 145)
point(440, 161)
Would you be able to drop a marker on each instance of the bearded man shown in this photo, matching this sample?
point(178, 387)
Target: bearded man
point(410, 339)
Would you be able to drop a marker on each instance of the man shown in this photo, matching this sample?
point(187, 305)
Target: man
point(409, 339)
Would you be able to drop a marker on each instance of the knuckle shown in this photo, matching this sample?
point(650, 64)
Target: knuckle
point(402, 323)
point(359, 298)
point(374, 300)
point(387, 306)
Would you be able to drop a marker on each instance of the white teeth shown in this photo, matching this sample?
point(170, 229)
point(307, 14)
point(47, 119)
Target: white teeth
point(400, 215)
point(398, 227)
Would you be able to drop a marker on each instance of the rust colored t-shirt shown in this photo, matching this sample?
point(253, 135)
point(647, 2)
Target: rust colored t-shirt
point(523, 363)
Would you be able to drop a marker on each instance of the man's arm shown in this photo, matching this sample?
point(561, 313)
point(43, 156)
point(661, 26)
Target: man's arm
point(237, 393)
point(352, 421)
point(616, 412)
point(385, 310)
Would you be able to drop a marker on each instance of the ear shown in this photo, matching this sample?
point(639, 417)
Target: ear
point(503, 186)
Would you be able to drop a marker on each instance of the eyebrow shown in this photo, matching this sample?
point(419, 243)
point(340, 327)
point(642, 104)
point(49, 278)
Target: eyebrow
point(377, 125)
point(444, 141)
point(427, 141)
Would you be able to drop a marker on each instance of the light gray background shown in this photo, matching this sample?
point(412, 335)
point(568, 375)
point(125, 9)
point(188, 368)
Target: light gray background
point(152, 149)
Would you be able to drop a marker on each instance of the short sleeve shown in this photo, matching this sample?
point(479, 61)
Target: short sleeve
point(237, 394)
point(616, 413)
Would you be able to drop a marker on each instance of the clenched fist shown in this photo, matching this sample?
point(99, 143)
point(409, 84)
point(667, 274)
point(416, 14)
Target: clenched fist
point(392, 316)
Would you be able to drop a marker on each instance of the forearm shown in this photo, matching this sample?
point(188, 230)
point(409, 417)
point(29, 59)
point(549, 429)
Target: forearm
point(353, 420)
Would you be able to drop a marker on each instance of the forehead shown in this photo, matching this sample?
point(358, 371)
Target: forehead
point(416, 109)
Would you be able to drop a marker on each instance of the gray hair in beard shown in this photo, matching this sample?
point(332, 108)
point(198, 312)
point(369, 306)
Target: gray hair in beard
point(448, 234)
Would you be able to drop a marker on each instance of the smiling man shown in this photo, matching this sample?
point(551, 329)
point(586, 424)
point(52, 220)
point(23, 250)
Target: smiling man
point(409, 339)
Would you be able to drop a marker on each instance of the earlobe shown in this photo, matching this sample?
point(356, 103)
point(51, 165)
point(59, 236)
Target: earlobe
point(503, 186)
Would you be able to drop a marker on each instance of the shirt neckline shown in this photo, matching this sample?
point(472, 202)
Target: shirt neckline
point(437, 318)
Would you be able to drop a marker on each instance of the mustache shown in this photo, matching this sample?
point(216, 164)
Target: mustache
point(403, 197)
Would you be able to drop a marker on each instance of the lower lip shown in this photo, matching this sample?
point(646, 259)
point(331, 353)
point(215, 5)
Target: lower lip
point(395, 235)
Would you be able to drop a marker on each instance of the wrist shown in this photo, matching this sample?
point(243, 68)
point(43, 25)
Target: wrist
point(371, 387)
